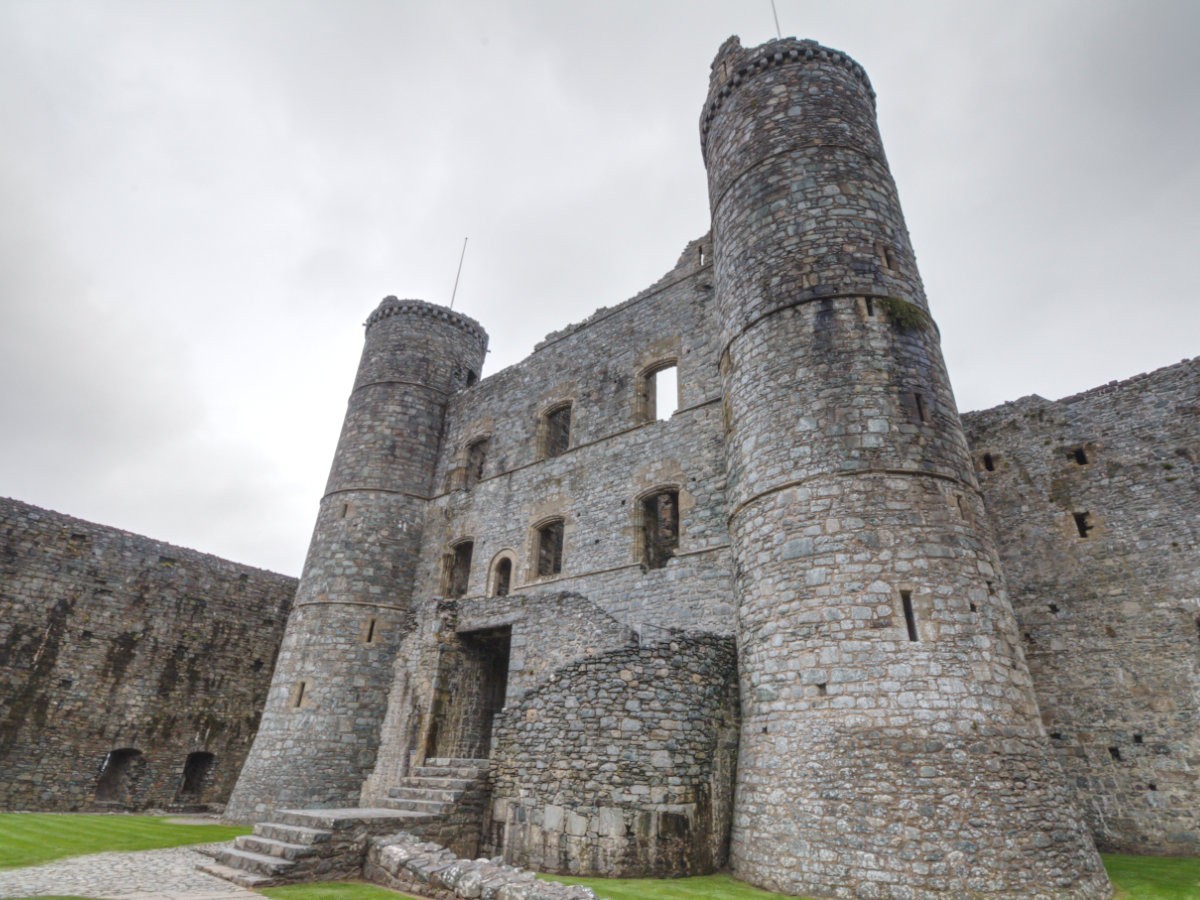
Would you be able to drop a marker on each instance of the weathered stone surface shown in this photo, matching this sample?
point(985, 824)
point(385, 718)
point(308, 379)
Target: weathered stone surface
point(1110, 619)
point(110, 641)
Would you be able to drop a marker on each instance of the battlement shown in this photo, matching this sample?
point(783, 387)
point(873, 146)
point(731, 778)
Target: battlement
point(734, 65)
point(393, 306)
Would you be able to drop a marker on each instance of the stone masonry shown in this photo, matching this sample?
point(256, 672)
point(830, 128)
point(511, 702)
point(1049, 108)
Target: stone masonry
point(132, 672)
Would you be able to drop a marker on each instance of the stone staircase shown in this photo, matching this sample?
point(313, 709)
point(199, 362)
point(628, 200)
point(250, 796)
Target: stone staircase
point(442, 801)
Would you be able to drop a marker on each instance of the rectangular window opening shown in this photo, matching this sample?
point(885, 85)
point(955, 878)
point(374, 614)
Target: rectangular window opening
point(1115, 753)
point(1080, 456)
point(460, 569)
point(1137, 739)
point(1083, 523)
point(550, 548)
point(870, 302)
point(989, 462)
point(557, 425)
point(660, 528)
point(910, 619)
point(476, 460)
point(665, 392)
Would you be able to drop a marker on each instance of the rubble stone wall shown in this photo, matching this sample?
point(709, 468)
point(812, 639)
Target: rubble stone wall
point(1109, 605)
point(110, 641)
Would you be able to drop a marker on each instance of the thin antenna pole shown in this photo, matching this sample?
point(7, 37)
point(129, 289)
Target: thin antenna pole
point(775, 13)
point(460, 262)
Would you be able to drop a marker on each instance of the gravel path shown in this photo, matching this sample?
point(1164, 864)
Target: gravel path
point(144, 875)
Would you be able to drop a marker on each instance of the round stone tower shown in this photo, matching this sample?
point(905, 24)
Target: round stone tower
point(891, 742)
point(320, 725)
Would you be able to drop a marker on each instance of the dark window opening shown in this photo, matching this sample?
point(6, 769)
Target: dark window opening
point(550, 548)
point(1054, 608)
point(459, 571)
point(1152, 786)
point(471, 377)
point(1083, 523)
point(298, 694)
point(1137, 739)
point(118, 775)
point(974, 608)
point(922, 412)
point(256, 666)
point(503, 578)
point(1056, 735)
point(910, 619)
point(1115, 753)
point(345, 509)
point(557, 431)
point(870, 302)
point(1079, 456)
point(822, 689)
point(989, 462)
point(476, 460)
point(660, 528)
point(195, 774)
point(369, 630)
point(991, 586)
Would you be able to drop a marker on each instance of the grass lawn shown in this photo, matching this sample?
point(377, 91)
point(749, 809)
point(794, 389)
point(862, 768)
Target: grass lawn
point(334, 890)
point(1157, 877)
point(27, 839)
point(702, 887)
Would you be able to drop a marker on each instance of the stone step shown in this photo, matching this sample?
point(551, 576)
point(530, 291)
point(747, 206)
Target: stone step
point(237, 876)
point(266, 846)
point(462, 772)
point(455, 761)
point(405, 791)
point(439, 782)
point(428, 808)
point(377, 820)
point(257, 863)
point(292, 834)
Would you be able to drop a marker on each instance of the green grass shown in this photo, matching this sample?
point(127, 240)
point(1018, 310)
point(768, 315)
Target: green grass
point(27, 839)
point(1153, 877)
point(701, 887)
point(334, 890)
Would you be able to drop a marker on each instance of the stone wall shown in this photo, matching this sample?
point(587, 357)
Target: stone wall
point(1094, 502)
point(622, 764)
point(112, 642)
point(615, 457)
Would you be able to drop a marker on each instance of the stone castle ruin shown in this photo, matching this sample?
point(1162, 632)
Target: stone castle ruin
point(811, 625)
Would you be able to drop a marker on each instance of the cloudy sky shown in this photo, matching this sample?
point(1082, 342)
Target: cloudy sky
point(200, 203)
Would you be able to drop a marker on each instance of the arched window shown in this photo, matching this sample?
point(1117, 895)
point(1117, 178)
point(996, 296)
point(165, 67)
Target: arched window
point(659, 527)
point(549, 551)
point(502, 572)
point(554, 431)
point(118, 776)
point(195, 774)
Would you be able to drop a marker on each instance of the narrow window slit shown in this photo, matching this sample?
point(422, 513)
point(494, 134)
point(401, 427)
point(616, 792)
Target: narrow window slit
point(345, 509)
point(922, 412)
point(989, 462)
point(910, 620)
point(1083, 523)
point(370, 636)
point(870, 301)
point(298, 694)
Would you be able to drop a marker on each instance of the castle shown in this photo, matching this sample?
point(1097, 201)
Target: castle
point(811, 625)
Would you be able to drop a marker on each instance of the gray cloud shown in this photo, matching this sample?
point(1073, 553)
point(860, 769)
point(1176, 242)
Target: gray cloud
point(202, 202)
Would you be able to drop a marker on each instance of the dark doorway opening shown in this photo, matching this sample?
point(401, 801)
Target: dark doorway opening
point(472, 684)
point(196, 770)
point(119, 776)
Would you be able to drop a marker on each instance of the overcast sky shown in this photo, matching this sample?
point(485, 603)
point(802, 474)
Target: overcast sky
point(201, 202)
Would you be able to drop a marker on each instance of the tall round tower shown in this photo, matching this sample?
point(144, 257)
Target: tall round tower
point(320, 726)
point(891, 742)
